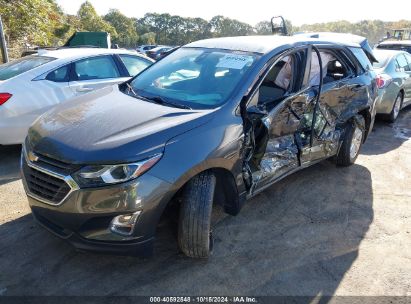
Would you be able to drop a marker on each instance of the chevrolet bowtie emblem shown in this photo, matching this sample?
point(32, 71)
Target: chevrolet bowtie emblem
point(32, 157)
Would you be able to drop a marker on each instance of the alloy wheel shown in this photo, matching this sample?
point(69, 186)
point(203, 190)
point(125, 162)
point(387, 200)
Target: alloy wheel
point(356, 142)
point(397, 106)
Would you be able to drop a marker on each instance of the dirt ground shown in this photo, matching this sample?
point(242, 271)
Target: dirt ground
point(322, 231)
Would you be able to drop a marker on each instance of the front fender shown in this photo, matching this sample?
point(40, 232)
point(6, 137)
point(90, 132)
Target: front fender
point(213, 145)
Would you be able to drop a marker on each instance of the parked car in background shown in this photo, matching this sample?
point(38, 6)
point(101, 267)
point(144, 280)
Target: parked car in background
point(32, 85)
point(394, 82)
point(144, 48)
point(157, 52)
point(167, 52)
point(400, 45)
point(215, 122)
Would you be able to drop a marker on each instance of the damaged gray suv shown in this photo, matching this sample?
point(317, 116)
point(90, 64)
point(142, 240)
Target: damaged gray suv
point(213, 123)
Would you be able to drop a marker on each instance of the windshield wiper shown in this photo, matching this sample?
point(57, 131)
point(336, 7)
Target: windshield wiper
point(156, 99)
point(163, 101)
point(130, 89)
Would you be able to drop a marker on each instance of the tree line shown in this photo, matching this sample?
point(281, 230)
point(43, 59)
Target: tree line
point(43, 23)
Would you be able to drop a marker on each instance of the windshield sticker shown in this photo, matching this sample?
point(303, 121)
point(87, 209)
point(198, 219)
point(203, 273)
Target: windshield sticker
point(234, 61)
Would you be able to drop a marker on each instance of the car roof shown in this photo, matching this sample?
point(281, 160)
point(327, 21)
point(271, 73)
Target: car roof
point(396, 42)
point(77, 53)
point(262, 44)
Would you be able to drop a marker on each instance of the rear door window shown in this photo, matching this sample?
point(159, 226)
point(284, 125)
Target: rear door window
point(59, 75)
point(134, 64)
point(402, 63)
point(22, 65)
point(333, 65)
point(102, 67)
point(362, 58)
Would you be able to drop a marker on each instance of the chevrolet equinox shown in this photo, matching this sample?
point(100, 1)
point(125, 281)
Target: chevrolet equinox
point(215, 122)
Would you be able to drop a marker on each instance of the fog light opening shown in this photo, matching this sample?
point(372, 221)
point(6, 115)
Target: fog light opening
point(124, 224)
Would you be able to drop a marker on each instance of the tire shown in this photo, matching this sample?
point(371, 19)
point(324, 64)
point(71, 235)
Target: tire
point(194, 228)
point(353, 138)
point(392, 117)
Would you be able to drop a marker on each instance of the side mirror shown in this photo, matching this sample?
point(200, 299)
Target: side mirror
point(280, 28)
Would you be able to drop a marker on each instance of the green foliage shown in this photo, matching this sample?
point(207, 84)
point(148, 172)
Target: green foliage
point(173, 30)
point(35, 20)
point(42, 22)
point(374, 30)
point(148, 38)
point(222, 27)
point(126, 31)
point(263, 28)
point(92, 22)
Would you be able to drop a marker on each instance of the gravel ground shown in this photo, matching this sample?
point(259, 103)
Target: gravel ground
point(322, 231)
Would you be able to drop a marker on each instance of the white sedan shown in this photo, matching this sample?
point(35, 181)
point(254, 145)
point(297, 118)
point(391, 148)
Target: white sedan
point(32, 85)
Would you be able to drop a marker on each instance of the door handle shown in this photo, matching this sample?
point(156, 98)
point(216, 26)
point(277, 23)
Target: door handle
point(84, 89)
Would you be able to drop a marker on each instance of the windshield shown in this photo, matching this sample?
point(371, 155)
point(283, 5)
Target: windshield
point(195, 78)
point(19, 66)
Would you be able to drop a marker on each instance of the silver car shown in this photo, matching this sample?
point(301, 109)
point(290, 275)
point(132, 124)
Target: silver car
point(394, 82)
point(32, 85)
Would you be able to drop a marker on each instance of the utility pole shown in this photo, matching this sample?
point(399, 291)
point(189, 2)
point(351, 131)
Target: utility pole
point(3, 45)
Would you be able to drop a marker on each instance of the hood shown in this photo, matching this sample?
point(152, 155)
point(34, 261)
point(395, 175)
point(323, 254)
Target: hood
point(109, 127)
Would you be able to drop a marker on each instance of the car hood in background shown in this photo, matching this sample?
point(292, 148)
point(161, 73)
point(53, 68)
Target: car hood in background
point(108, 127)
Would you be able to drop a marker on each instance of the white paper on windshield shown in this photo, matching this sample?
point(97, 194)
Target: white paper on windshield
point(233, 61)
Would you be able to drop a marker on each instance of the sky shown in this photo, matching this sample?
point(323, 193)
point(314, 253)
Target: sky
point(298, 11)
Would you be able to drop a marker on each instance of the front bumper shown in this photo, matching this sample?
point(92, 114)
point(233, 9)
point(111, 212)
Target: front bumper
point(134, 247)
point(84, 216)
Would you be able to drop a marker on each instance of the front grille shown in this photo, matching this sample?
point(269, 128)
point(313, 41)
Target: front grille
point(45, 186)
point(55, 165)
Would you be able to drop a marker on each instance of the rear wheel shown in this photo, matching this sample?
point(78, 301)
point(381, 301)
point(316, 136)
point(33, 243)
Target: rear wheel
point(194, 230)
point(352, 142)
point(392, 117)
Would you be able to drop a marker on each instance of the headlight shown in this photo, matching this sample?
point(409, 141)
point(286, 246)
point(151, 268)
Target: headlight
point(101, 175)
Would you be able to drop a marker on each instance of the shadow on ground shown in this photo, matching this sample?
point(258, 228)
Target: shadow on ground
point(389, 136)
point(299, 237)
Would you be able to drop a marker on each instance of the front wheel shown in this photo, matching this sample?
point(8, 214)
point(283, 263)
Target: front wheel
point(194, 228)
point(352, 142)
